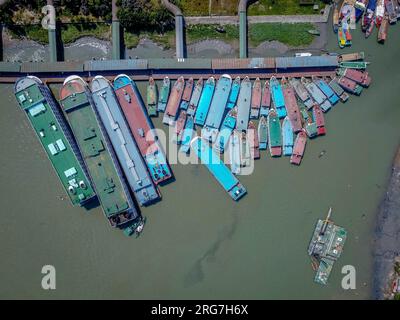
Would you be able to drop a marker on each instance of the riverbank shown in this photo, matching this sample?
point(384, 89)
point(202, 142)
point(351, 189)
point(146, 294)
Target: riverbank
point(387, 235)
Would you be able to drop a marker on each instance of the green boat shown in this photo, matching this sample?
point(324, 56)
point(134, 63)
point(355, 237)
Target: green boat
point(274, 134)
point(164, 95)
point(308, 124)
point(97, 152)
point(354, 64)
point(52, 130)
point(152, 98)
point(325, 247)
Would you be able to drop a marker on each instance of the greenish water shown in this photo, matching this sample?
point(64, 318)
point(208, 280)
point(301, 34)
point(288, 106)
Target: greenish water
point(198, 243)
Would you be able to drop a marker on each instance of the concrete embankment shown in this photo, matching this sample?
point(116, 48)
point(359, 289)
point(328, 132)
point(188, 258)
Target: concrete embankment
point(387, 233)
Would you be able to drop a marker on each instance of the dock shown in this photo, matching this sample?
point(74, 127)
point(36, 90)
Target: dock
point(217, 168)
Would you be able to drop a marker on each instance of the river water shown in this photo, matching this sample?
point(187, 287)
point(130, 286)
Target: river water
point(198, 243)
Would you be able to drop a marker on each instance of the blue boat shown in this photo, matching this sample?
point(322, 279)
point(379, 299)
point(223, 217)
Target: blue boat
point(277, 97)
point(233, 96)
point(243, 103)
point(360, 7)
point(127, 152)
point(217, 168)
point(263, 133)
point(317, 95)
point(217, 108)
point(204, 102)
point(327, 90)
point(287, 136)
point(187, 135)
point(228, 125)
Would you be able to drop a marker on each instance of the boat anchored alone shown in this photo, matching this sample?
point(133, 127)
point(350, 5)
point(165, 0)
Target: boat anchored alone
point(217, 168)
point(98, 154)
point(164, 95)
point(298, 149)
point(122, 140)
point(325, 247)
point(171, 111)
point(256, 99)
point(217, 108)
point(52, 130)
point(243, 103)
point(152, 97)
point(288, 137)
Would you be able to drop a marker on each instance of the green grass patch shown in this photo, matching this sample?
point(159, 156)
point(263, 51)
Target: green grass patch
point(72, 32)
point(291, 34)
point(165, 40)
point(203, 32)
point(31, 32)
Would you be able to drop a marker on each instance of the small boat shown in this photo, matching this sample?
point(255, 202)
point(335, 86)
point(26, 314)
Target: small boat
point(265, 100)
point(383, 29)
point(314, 32)
point(379, 12)
point(287, 136)
point(253, 139)
point(309, 126)
point(204, 102)
point(171, 111)
point(263, 133)
point(274, 134)
point(361, 77)
point(228, 125)
point(243, 103)
point(370, 28)
point(256, 99)
point(390, 11)
point(292, 107)
point(360, 7)
point(354, 64)
point(349, 85)
point(317, 95)
point(179, 126)
point(233, 95)
point(194, 100)
point(344, 36)
point(299, 147)
point(335, 18)
point(187, 93)
point(234, 153)
point(302, 92)
point(318, 117)
point(277, 97)
point(164, 95)
point(152, 98)
point(338, 89)
point(187, 135)
point(245, 150)
point(326, 89)
point(351, 56)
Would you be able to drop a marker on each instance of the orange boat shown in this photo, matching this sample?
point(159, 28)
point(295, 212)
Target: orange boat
point(319, 120)
point(292, 107)
point(299, 147)
point(256, 99)
point(174, 101)
point(187, 94)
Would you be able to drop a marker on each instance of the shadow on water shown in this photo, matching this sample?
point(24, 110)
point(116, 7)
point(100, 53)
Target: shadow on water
point(196, 273)
point(59, 43)
point(92, 204)
point(1, 42)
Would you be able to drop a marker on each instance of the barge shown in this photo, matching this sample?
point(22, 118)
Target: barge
point(292, 107)
point(256, 99)
point(194, 99)
point(205, 101)
point(152, 97)
point(277, 97)
point(317, 95)
point(171, 111)
point(228, 125)
point(164, 95)
point(233, 95)
point(265, 100)
point(243, 103)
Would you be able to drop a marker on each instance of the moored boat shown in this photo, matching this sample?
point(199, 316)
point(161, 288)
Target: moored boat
point(302, 92)
point(263, 133)
point(121, 138)
point(164, 94)
point(194, 100)
point(187, 94)
point(319, 120)
point(287, 137)
point(309, 125)
point(245, 150)
point(379, 12)
point(292, 107)
point(204, 101)
point(228, 125)
point(326, 89)
point(171, 111)
point(243, 103)
point(277, 97)
point(187, 134)
point(361, 77)
point(217, 108)
point(253, 139)
point(180, 125)
point(349, 85)
point(298, 148)
point(233, 95)
point(338, 89)
point(234, 153)
point(256, 99)
point(152, 98)
point(265, 100)
point(317, 95)
point(274, 134)
point(142, 128)
point(56, 138)
point(351, 56)
point(354, 64)
point(383, 29)
point(98, 154)
point(390, 11)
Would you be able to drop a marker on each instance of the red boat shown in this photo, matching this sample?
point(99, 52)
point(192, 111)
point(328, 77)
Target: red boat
point(187, 94)
point(350, 85)
point(298, 148)
point(174, 101)
point(256, 99)
point(180, 124)
point(319, 119)
point(253, 138)
point(266, 97)
point(292, 107)
point(360, 77)
point(383, 29)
